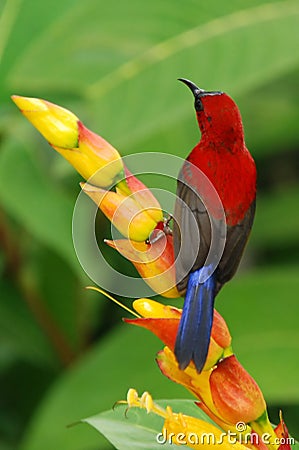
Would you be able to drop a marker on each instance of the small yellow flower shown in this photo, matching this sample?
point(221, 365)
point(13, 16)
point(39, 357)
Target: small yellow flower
point(181, 429)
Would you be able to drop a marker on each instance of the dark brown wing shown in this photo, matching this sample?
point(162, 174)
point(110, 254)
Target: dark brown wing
point(236, 239)
point(191, 234)
point(192, 238)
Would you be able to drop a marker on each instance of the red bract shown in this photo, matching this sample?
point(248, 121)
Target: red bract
point(235, 393)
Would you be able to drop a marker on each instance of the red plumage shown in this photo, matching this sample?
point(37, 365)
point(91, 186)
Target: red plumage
point(223, 157)
point(215, 201)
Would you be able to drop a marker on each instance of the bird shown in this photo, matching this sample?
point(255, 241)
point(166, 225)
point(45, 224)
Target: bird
point(213, 216)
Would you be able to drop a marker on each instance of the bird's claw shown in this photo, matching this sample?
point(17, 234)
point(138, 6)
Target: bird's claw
point(159, 233)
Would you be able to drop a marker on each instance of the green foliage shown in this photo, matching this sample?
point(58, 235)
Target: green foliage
point(135, 428)
point(115, 65)
point(25, 189)
point(117, 363)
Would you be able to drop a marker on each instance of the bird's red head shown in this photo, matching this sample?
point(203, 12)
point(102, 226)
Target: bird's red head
point(217, 114)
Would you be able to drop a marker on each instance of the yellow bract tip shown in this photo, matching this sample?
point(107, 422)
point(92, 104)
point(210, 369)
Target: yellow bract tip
point(155, 310)
point(58, 125)
point(29, 104)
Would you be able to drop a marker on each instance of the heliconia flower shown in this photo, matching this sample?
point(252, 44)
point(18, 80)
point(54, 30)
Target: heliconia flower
point(123, 211)
point(89, 154)
point(133, 209)
point(237, 397)
point(227, 393)
point(141, 194)
point(94, 158)
point(155, 310)
point(180, 429)
point(197, 384)
point(164, 320)
point(56, 124)
point(235, 394)
point(154, 261)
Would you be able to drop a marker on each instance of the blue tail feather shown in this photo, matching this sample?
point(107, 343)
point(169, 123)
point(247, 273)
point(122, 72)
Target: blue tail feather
point(193, 338)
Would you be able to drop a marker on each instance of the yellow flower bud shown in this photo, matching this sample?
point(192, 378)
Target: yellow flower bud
point(143, 196)
point(94, 158)
point(235, 394)
point(56, 124)
point(125, 214)
point(154, 262)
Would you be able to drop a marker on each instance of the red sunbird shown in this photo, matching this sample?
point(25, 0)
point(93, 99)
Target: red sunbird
point(216, 194)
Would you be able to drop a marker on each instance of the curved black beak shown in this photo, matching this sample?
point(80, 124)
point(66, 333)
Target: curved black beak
point(192, 86)
point(196, 91)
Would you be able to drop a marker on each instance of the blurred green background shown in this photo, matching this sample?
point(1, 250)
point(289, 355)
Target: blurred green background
point(64, 352)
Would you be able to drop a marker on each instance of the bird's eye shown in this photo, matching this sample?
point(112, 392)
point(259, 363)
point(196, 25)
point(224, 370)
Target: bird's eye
point(198, 104)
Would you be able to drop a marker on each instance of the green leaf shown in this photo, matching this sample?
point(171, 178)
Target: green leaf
point(135, 429)
point(44, 210)
point(122, 360)
point(22, 22)
point(134, 433)
point(109, 79)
